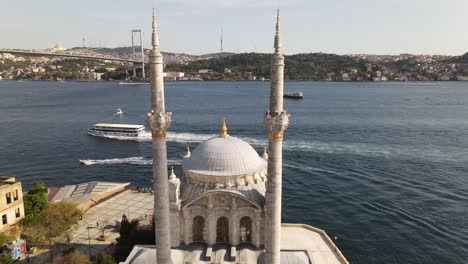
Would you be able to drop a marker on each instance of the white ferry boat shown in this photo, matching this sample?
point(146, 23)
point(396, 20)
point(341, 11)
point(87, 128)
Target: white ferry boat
point(103, 129)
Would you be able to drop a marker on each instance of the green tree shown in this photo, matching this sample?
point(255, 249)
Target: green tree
point(73, 257)
point(54, 221)
point(35, 201)
point(104, 258)
point(4, 239)
point(5, 258)
point(130, 235)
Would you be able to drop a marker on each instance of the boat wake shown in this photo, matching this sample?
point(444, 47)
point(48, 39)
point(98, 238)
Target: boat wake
point(171, 136)
point(434, 153)
point(141, 161)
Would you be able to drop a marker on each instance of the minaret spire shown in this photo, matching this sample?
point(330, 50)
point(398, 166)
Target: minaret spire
point(278, 36)
point(154, 34)
point(159, 121)
point(276, 122)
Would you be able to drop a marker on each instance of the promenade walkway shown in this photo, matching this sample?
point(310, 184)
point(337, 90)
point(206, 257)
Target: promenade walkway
point(134, 205)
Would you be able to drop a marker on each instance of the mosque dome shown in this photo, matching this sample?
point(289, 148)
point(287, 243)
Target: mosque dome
point(224, 156)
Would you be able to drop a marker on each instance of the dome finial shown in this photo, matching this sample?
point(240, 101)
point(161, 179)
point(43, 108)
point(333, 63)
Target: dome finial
point(224, 131)
point(265, 154)
point(188, 153)
point(172, 176)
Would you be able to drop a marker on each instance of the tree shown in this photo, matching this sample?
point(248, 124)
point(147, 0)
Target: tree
point(104, 258)
point(73, 257)
point(130, 235)
point(35, 201)
point(5, 258)
point(51, 223)
point(4, 239)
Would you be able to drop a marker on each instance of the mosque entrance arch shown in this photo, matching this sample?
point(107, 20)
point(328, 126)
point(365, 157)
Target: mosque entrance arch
point(245, 230)
point(198, 229)
point(222, 230)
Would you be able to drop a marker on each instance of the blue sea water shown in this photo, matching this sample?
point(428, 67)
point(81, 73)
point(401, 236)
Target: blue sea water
point(382, 167)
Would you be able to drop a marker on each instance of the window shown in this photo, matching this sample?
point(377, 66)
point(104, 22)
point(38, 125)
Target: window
point(15, 195)
point(4, 219)
point(8, 198)
point(17, 213)
point(245, 230)
point(198, 229)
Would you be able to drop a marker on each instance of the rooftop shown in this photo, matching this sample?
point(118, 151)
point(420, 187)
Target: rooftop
point(300, 244)
point(5, 181)
point(85, 194)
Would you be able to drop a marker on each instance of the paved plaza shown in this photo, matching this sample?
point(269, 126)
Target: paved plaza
point(133, 204)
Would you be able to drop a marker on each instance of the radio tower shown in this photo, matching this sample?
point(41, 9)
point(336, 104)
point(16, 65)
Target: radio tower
point(83, 42)
point(221, 39)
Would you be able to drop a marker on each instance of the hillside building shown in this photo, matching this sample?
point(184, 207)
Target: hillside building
point(11, 202)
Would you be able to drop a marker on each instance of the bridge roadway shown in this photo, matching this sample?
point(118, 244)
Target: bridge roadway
point(67, 55)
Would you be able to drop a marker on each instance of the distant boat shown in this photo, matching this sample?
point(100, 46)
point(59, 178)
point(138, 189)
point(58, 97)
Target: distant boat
point(294, 95)
point(132, 83)
point(119, 112)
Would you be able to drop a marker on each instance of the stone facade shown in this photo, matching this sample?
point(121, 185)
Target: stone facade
point(11, 202)
point(218, 217)
point(218, 209)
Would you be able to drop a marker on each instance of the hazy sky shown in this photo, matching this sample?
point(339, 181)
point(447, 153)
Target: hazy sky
point(193, 26)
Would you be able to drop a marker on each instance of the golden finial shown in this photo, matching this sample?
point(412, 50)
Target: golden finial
point(224, 131)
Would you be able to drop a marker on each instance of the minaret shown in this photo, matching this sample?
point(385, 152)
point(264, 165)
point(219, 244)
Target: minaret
point(276, 122)
point(158, 121)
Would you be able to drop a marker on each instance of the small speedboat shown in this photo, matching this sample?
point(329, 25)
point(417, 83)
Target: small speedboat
point(119, 112)
point(87, 162)
point(294, 95)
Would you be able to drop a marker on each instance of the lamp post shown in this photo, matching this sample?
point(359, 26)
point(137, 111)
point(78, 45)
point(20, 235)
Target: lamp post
point(89, 242)
point(88, 226)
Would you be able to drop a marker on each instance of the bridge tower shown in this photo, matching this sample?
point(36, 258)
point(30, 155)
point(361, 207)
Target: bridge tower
point(141, 51)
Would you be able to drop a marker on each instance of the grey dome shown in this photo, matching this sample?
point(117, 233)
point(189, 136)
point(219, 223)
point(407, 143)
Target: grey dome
point(224, 157)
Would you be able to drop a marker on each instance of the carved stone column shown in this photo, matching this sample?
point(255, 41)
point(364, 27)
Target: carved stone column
point(211, 222)
point(256, 229)
point(276, 123)
point(188, 226)
point(234, 231)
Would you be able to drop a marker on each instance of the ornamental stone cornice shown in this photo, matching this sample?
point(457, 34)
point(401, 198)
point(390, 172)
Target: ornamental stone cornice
point(159, 122)
point(229, 182)
point(276, 123)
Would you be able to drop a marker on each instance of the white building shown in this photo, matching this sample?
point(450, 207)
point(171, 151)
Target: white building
point(11, 202)
point(204, 71)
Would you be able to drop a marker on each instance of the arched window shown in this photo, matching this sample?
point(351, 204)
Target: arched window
point(198, 229)
point(245, 230)
point(222, 230)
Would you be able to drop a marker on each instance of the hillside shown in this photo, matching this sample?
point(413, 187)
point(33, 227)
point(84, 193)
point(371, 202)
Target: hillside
point(312, 66)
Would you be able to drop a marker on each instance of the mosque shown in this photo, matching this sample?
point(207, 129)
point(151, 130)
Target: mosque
point(225, 207)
